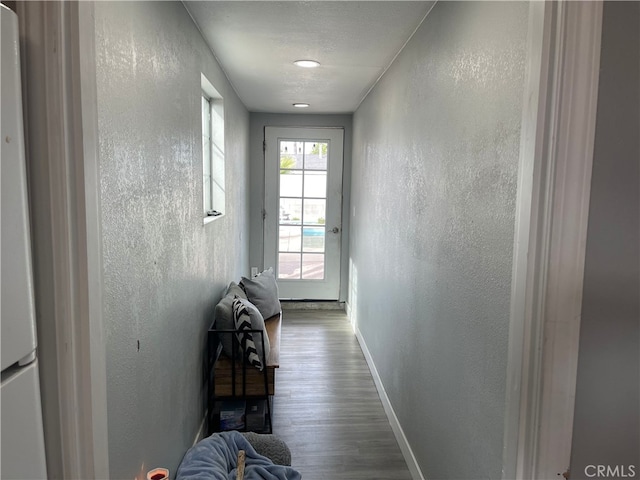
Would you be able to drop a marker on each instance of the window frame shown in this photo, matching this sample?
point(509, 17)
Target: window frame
point(213, 156)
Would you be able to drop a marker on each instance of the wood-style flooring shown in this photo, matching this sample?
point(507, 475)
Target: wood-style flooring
point(326, 406)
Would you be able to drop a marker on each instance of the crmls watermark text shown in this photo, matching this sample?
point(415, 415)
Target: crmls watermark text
point(610, 471)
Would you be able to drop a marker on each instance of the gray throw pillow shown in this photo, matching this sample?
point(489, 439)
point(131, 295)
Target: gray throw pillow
point(235, 289)
point(223, 317)
point(247, 317)
point(262, 291)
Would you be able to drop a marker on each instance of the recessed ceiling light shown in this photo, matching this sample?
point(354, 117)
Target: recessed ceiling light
point(301, 105)
point(307, 63)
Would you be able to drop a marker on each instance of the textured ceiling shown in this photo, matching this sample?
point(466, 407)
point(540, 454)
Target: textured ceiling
point(257, 42)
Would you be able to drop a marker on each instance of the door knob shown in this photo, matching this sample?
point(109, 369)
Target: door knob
point(335, 230)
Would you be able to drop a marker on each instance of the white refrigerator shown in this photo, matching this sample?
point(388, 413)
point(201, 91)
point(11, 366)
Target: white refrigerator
point(22, 441)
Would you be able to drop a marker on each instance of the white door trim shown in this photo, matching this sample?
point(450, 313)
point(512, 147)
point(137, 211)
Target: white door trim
point(59, 78)
point(554, 186)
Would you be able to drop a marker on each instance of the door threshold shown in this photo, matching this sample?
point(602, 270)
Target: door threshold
point(311, 305)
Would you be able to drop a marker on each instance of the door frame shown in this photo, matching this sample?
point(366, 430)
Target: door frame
point(57, 42)
point(267, 196)
point(554, 184)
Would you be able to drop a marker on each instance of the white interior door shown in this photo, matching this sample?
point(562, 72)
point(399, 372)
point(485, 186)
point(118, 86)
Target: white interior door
point(303, 205)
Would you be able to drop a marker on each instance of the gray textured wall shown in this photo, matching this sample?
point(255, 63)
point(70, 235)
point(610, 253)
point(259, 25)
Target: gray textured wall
point(433, 208)
point(258, 122)
point(606, 423)
point(163, 270)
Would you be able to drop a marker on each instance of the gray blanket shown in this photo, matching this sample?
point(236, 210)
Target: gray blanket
point(216, 458)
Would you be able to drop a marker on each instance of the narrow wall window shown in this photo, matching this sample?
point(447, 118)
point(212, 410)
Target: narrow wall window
point(213, 162)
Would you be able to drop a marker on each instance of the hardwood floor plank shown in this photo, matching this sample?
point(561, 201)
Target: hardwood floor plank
point(326, 405)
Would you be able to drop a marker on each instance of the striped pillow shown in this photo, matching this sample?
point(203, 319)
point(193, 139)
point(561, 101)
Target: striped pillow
point(242, 318)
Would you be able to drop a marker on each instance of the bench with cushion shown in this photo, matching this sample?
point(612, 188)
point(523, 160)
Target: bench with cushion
point(244, 343)
point(224, 367)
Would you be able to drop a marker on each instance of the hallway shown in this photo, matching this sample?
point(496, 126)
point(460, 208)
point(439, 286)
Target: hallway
point(326, 405)
point(465, 206)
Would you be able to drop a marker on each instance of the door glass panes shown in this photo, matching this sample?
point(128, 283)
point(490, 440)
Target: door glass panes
point(291, 156)
point(313, 239)
point(314, 211)
point(290, 211)
point(315, 156)
point(302, 192)
point(291, 183)
point(289, 265)
point(290, 238)
point(312, 266)
point(315, 184)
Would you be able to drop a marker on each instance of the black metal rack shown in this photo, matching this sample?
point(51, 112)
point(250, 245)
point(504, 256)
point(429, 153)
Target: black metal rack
point(239, 367)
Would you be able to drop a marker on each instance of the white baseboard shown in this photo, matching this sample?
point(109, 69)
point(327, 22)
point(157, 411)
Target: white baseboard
point(409, 457)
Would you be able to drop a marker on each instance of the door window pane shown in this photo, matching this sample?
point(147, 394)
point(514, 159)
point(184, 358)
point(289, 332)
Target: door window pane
point(289, 265)
point(291, 211)
point(291, 155)
point(289, 239)
point(314, 212)
point(315, 157)
point(313, 239)
point(312, 266)
point(315, 184)
point(290, 183)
